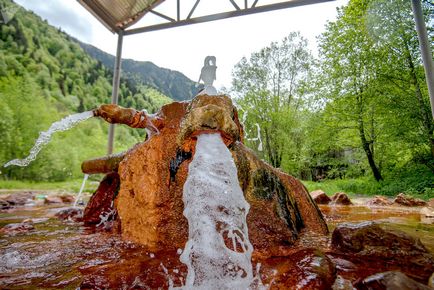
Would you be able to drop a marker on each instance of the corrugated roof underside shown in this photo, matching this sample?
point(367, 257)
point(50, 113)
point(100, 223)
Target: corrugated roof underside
point(119, 14)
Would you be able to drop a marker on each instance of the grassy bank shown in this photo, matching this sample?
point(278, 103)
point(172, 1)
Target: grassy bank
point(67, 186)
point(415, 186)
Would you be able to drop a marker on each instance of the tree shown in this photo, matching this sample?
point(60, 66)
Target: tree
point(392, 26)
point(371, 68)
point(270, 89)
point(349, 63)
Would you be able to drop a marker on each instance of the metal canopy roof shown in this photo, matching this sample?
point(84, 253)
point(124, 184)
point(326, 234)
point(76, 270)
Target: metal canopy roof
point(118, 15)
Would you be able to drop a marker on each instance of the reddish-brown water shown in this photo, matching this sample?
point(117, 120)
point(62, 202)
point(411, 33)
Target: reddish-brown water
point(393, 217)
point(58, 254)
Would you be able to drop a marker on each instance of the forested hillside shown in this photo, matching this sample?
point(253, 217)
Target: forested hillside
point(359, 111)
point(171, 83)
point(44, 76)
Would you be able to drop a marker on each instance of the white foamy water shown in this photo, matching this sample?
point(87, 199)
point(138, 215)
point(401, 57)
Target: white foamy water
point(77, 198)
point(45, 136)
point(216, 209)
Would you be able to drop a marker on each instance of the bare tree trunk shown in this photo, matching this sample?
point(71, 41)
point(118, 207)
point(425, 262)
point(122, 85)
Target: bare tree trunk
point(365, 143)
point(369, 153)
point(272, 150)
point(268, 146)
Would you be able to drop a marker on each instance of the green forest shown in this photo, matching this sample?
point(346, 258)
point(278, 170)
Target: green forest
point(44, 76)
point(355, 117)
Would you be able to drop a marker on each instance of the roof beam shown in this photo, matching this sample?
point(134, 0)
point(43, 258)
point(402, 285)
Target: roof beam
point(235, 5)
point(224, 15)
point(162, 15)
point(192, 9)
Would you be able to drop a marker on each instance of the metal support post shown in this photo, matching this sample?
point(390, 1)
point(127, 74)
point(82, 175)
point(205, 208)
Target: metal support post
point(425, 50)
point(115, 89)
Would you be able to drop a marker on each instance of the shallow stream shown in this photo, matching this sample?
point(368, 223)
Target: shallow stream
point(58, 254)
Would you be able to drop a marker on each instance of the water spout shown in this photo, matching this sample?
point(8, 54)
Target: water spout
point(45, 136)
point(218, 252)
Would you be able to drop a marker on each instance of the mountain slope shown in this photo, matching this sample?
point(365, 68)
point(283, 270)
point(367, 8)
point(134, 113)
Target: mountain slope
point(44, 76)
point(171, 83)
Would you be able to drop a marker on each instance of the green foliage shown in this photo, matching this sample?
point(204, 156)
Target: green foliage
point(72, 185)
point(271, 89)
point(372, 82)
point(360, 111)
point(44, 76)
point(417, 182)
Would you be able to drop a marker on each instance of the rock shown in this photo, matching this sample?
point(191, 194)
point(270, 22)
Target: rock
point(379, 201)
point(50, 199)
point(427, 215)
point(100, 204)
point(407, 200)
point(17, 228)
point(206, 113)
point(431, 281)
point(391, 280)
point(303, 269)
point(320, 197)
point(17, 199)
point(72, 213)
point(369, 242)
point(36, 220)
point(67, 198)
point(4, 204)
point(343, 265)
point(431, 202)
point(341, 198)
point(342, 284)
point(317, 271)
point(153, 173)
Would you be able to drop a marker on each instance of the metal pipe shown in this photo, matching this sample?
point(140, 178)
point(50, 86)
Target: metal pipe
point(425, 50)
point(178, 10)
point(115, 90)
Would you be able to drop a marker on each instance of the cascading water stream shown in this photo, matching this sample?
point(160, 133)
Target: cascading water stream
point(216, 211)
point(77, 198)
point(45, 136)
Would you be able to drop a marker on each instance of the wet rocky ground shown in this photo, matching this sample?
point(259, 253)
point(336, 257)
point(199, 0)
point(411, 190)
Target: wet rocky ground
point(45, 244)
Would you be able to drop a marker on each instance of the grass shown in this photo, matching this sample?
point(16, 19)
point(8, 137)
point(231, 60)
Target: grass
point(349, 186)
point(68, 186)
point(369, 187)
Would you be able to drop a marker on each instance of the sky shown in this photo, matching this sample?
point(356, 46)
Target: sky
point(184, 48)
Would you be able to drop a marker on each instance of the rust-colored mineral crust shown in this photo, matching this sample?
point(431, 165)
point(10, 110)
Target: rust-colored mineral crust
point(280, 206)
point(105, 164)
point(153, 173)
point(101, 202)
point(149, 203)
